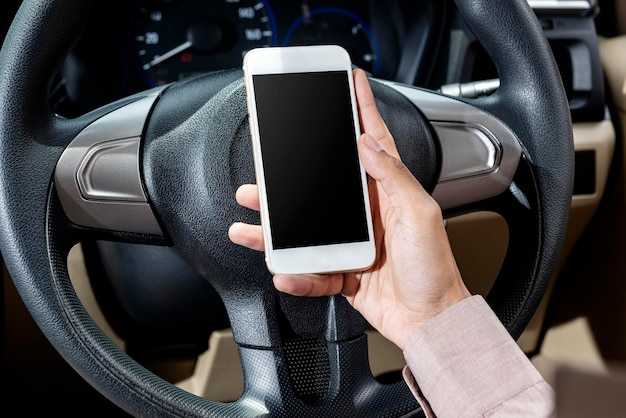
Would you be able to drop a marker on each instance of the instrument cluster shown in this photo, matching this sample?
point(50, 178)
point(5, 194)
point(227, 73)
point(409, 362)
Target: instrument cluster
point(131, 46)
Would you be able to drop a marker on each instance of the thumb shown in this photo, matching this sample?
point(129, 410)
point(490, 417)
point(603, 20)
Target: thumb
point(394, 177)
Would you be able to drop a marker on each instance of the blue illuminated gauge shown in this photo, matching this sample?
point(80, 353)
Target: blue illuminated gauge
point(333, 25)
point(176, 39)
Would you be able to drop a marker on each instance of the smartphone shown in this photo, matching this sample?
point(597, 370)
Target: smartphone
point(315, 209)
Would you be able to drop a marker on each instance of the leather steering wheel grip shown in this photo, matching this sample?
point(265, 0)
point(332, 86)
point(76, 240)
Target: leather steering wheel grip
point(35, 235)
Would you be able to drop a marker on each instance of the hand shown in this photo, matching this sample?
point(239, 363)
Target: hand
point(415, 276)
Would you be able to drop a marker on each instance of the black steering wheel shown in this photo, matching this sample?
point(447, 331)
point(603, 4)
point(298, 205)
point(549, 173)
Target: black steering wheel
point(161, 168)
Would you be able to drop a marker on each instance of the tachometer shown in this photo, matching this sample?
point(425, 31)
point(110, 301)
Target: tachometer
point(175, 39)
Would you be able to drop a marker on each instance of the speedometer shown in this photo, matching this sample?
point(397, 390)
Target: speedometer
point(176, 39)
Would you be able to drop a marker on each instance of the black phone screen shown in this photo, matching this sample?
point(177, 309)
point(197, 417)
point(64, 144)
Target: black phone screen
point(310, 160)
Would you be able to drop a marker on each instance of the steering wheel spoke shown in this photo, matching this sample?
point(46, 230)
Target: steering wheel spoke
point(479, 153)
point(98, 177)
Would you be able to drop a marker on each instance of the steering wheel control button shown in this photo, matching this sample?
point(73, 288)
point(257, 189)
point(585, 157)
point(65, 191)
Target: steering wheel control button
point(479, 153)
point(110, 171)
point(98, 178)
point(468, 150)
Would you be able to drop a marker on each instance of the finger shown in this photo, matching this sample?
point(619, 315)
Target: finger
point(309, 284)
point(246, 235)
point(397, 182)
point(371, 120)
point(350, 285)
point(247, 195)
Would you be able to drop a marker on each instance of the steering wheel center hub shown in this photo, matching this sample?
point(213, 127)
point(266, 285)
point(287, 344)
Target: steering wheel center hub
point(198, 151)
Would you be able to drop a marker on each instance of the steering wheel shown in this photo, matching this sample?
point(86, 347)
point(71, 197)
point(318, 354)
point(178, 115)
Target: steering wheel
point(161, 168)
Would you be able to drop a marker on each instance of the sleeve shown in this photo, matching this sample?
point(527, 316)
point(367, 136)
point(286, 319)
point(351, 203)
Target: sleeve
point(464, 363)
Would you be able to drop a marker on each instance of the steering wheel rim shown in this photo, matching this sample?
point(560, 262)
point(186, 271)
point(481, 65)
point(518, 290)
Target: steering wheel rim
point(36, 235)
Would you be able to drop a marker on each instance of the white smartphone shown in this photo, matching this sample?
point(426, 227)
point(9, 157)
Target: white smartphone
point(315, 209)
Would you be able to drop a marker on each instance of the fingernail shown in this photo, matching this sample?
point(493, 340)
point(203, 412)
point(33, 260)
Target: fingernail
point(372, 143)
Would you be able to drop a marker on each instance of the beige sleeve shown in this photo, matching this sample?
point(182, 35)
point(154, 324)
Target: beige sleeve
point(464, 363)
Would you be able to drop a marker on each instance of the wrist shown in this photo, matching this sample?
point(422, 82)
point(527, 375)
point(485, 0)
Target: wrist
point(413, 320)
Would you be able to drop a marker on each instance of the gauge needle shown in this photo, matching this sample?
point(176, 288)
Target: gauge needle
point(169, 54)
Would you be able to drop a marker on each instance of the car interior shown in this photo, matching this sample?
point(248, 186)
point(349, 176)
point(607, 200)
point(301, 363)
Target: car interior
point(123, 135)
